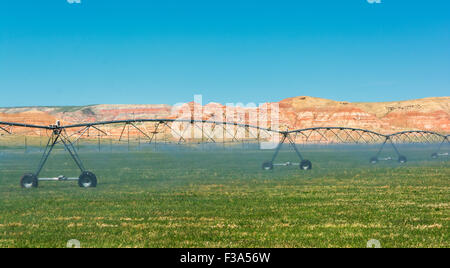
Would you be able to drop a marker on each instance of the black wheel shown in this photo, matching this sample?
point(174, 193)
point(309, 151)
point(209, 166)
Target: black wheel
point(87, 180)
point(373, 160)
point(434, 155)
point(306, 165)
point(402, 159)
point(29, 181)
point(267, 165)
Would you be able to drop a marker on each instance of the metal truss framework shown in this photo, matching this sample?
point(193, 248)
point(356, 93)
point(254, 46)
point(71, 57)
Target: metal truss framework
point(208, 131)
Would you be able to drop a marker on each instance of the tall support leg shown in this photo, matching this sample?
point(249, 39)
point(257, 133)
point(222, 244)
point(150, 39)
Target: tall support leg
point(30, 180)
point(86, 180)
point(436, 154)
point(128, 137)
point(304, 164)
point(395, 147)
point(294, 146)
point(73, 152)
point(374, 159)
point(48, 150)
point(381, 148)
point(277, 150)
point(401, 158)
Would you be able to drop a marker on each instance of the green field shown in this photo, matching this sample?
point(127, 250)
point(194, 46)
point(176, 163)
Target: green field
point(224, 199)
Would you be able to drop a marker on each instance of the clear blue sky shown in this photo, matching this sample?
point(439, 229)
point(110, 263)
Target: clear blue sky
point(108, 51)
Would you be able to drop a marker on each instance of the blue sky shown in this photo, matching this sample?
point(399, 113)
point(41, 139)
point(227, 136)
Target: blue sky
point(139, 52)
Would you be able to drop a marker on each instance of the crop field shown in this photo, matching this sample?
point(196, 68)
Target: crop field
point(222, 198)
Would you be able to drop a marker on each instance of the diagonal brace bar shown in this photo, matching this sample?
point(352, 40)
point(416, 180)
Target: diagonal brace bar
point(382, 146)
point(4, 129)
point(277, 150)
point(442, 144)
point(48, 150)
point(72, 151)
point(395, 147)
point(294, 146)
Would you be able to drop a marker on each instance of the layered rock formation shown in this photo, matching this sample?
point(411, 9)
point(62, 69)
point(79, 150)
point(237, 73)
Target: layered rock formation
point(295, 113)
point(385, 117)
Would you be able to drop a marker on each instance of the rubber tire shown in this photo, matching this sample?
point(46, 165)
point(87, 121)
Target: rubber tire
point(434, 156)
point(373, 160)
point(305, 165)
point(29, 181)
point(267, 165)
point(87, 179)
point(402, 159)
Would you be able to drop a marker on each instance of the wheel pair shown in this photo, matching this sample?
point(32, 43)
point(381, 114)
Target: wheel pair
point(304, 165)
point(87, 179)
point(401, 159)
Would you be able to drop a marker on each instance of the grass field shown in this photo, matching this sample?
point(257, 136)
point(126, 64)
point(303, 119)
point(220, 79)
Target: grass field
point(225, 199)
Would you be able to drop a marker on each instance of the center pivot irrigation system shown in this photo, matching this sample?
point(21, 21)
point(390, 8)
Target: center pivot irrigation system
point(164, 129)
